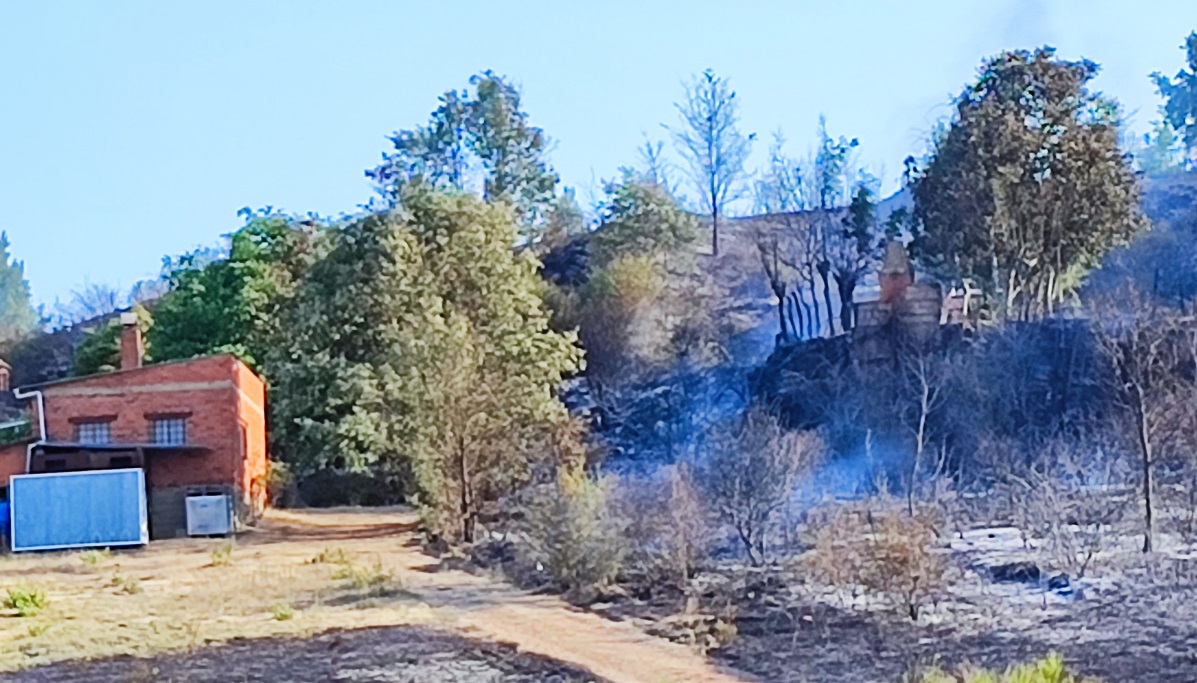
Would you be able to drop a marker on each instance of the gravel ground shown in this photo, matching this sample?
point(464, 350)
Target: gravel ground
point(406, 654)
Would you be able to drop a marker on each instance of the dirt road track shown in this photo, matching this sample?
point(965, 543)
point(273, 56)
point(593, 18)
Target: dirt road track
point(482, 607)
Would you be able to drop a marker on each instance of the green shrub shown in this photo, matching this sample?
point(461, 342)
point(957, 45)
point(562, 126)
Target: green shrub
point(331, 556)
point(129, 585)
point(280, 484)
point(372, 579)
point(222, 554)
point(1050, 669)
point(94, 557)
point(574, 535)
point(27, 601)
point(282, 611)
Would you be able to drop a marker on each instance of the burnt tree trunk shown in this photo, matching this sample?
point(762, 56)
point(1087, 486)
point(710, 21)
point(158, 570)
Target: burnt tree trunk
point(825, 275)
point(1145, 451)
point(845, 284)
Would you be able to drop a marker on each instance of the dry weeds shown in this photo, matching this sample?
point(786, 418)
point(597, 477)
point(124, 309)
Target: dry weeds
point(171, 597)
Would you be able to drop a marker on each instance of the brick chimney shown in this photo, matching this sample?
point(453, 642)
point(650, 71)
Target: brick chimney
point(896, 275)
point(132, 347)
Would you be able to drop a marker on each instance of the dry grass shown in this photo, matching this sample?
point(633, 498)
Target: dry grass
point(169, 597)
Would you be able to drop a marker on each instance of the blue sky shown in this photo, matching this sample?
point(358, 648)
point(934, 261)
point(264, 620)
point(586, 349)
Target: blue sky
point(131, 130)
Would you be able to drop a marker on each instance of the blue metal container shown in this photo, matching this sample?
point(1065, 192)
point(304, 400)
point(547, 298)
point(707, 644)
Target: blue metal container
point(104, 508)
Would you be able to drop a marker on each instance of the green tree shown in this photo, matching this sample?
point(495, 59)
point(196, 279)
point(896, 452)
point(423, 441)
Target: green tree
point(17, 314)
point(1180, 96)
point(710, 141)
point(100, 349)
point(640, 217)
point(230, 304)
point(420, 346)
point(1161, 150)
point(1028, 189)
point(852, 249)
point(485, 132)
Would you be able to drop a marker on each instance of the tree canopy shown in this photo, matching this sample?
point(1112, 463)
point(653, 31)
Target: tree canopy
point(229, 303)
point(476, 141)
point(1180, 96)
point(18, 317)
point(1028, 189)
point(420, 347)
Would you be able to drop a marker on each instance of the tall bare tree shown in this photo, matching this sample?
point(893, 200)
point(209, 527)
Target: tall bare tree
point(710, 141)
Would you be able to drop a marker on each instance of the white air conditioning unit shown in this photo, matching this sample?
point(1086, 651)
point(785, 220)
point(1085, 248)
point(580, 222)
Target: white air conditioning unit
point(209, 515)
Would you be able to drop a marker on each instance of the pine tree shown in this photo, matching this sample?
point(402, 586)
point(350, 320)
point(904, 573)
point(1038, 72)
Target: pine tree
point(17, 315)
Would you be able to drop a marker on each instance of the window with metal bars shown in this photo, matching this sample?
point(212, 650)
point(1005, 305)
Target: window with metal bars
point(169, 431)
point(93, 432)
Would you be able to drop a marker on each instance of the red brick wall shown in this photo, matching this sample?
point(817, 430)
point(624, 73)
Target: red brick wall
point(251, 413)
point(213, 393)
point(12, 460)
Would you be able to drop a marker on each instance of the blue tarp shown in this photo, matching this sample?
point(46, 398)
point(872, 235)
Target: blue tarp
point(78, 510)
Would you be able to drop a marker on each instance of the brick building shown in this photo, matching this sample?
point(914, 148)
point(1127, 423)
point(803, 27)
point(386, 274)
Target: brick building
point(195, 426)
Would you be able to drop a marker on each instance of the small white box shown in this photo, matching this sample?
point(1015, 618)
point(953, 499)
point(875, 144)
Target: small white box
point(209, 515)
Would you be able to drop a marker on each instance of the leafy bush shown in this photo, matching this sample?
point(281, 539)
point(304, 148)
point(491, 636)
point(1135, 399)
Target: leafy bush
point(886, 552)
point(280, 484)
point(372, 579)
point(129, 585)
point(94, 557)
point(574, 535)
point(222, 554)
point(15, 432)
point(617, 327)
point(27, 601)
point(1050, 669)
point(330, 556)
point(282, 611)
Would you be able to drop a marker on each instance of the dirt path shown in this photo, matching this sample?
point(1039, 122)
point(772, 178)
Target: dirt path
point(481, 607)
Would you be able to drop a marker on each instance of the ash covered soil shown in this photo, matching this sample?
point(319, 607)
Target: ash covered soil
point(1132, 619)
point(393, 654)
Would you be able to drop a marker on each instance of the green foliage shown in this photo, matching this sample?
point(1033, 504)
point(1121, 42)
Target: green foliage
point(330, 556)
point(128, 585)
point(222, 555)
point(616, 301)
point(372, 579)
point(95, 557)
point(1028, 190)
point(1161, 151)
point(15, 432)
point(488, 131)
point(26, 601)
point(1050, 669)
point(421, 344)
point(100, 350)
point(564, 219)
point(282, 611)
point(230, 304)
point(280, 485)
point(1180, 96)
point(17, 315)
point(574, 535)
point(640, 217)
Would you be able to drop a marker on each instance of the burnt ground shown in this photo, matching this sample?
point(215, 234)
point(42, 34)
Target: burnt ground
point(837, 644)
point(1134, 622)
point(403, 654)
